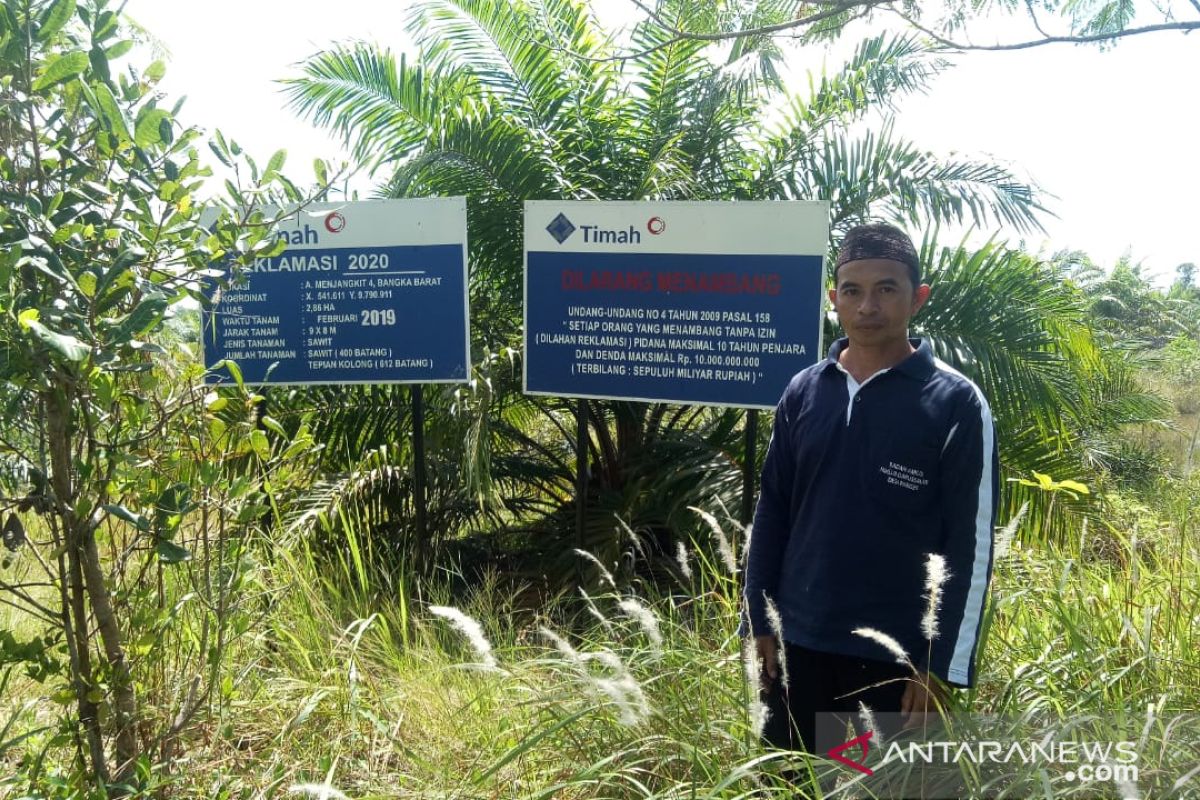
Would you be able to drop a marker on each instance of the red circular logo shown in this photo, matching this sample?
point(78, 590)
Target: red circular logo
point(656, 225)
point(334, 222)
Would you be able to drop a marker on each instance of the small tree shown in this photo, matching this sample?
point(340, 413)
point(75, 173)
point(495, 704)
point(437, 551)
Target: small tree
point(100, 245)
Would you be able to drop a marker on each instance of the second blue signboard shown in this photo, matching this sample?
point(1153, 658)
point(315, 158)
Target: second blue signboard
point(713, 303)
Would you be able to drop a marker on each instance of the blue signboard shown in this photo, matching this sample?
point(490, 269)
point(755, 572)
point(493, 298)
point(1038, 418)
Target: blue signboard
point(366, 292)
point(712, 303)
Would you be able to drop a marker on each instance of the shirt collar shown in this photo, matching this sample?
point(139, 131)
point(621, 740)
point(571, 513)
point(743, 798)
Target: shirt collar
point(918, 365)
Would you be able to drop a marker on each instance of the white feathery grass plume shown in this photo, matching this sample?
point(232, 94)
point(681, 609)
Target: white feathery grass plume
point(321, 791)
point(1151, 715)
point(724, 509)
point(633, 537)
point(1004, 538)
point(723, 545)
point(775, 620)
point(646, 620)
point(737, 525)
point(936, 576)
point(747, 535)
point(757, 709)
point(867, 717)
point(595, 612)
point(627, 696)
point(604, 573)
point(1185, 778)
point(470, 629)
point(1128, 789)
point(750, 662)
point(887, 642)
point(622, 688)
point(561, 644)
point(681, 558)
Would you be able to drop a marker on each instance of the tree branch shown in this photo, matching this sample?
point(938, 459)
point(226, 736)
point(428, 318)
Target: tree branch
point(862, 7)
point(1093, 38)
point(679, 35)
point(1033, 18)
point(833, 10)
point(34, 608)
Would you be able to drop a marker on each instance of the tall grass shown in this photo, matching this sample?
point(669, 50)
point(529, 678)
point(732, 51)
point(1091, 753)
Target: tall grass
point(360, 688)
point(358, 685)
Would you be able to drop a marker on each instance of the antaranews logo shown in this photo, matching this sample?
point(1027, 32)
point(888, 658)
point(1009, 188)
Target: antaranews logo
point(1011, 759)
point(863, 742)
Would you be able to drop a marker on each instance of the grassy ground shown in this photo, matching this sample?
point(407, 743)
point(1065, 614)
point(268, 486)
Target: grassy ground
point(348, 687)
point(342, 684)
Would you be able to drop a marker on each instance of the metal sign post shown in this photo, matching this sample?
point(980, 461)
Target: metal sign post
point(419, 474)
point(581, 471)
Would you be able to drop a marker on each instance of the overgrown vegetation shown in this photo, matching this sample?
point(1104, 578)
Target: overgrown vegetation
point(114, 467)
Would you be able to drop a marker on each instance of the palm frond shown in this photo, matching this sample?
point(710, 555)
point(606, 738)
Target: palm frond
point(990, 315)
point(882, 69)
point(881, 175)
point(382, 110)
point(503, 46)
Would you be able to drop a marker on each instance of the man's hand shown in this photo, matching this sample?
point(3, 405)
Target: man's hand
point(768, 654)
point(923, 695)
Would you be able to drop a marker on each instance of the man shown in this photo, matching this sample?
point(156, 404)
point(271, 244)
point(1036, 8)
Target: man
point(881, 456)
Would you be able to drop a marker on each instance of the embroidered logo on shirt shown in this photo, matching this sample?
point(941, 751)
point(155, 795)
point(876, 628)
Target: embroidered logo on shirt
point(909, 478)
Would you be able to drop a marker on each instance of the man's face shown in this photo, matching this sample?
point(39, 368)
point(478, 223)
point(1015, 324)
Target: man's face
point(874, 300)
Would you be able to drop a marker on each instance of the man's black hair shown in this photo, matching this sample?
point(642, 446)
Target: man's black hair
point(879, 240)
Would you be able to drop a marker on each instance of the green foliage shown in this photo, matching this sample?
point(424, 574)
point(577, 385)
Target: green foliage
point(956, 26)
point(1181, 359)
point(1125, 304)
point(101, 245)
point(508, 101)
point(1088, 640)
point(144, 495)
point(40, 658)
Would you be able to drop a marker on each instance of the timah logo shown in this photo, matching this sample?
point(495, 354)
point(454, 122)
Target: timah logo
point(560, 228)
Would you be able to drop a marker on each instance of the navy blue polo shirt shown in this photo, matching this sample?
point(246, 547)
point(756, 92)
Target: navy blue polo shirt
point(860, 484)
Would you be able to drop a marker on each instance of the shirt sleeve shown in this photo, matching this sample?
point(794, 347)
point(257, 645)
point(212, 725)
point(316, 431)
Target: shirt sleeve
point(769, 534)
point(970, 490)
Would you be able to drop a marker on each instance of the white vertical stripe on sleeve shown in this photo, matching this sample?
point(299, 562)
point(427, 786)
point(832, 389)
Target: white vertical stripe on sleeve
point(964, 643)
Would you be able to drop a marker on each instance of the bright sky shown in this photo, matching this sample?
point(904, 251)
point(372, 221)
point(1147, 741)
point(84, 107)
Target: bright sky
point(1112, 135)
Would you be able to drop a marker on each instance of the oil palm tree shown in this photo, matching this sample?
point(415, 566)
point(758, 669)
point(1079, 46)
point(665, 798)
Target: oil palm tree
point(509, 101)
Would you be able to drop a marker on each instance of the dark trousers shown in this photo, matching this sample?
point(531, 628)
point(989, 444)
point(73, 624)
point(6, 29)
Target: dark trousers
point(823, 689)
